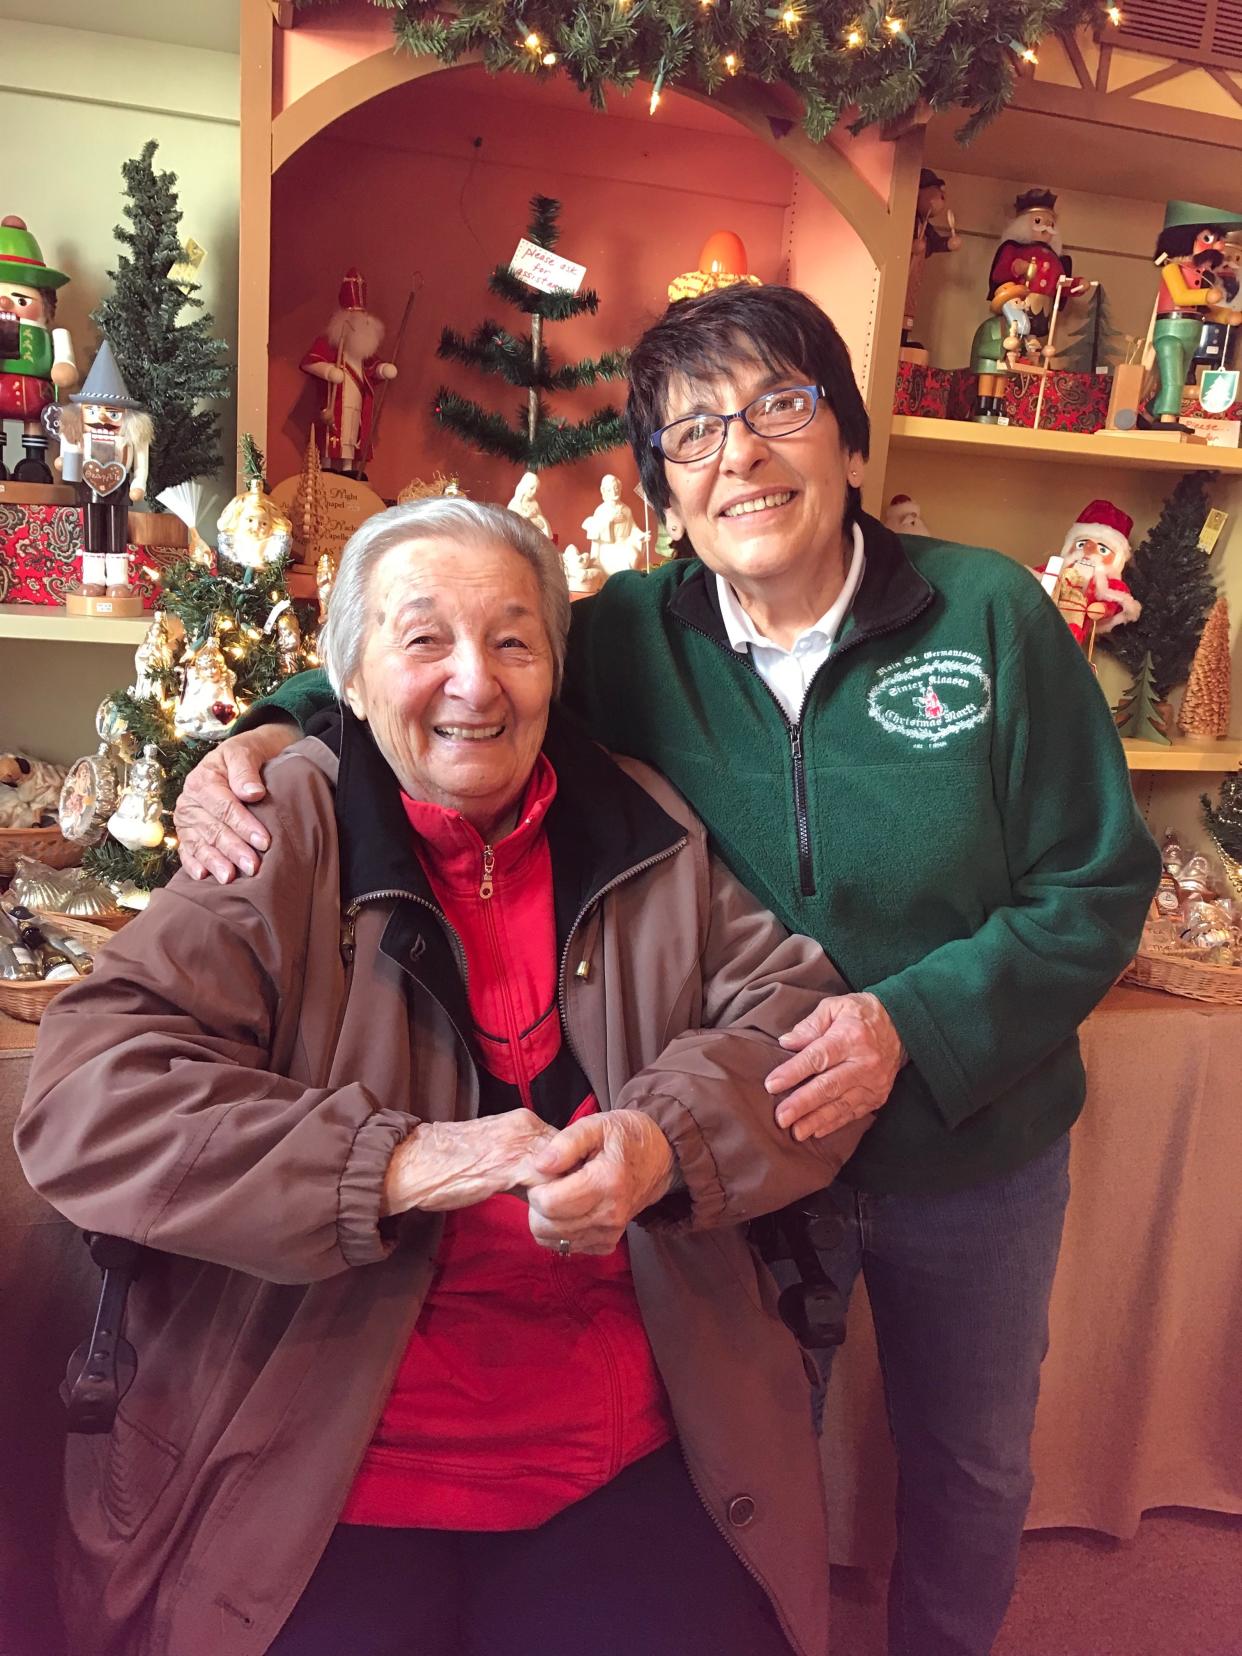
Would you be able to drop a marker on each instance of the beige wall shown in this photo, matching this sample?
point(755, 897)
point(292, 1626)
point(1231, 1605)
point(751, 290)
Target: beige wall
point(73, 106)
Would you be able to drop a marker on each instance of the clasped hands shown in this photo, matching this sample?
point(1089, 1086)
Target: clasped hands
point(582, 1184)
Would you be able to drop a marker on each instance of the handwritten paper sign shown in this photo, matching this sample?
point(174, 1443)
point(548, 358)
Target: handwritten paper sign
point(546, 271)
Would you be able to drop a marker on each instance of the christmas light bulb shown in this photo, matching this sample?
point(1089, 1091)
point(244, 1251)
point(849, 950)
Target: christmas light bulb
point(549, 60)
point(730, 62)
point(854, 38)
point(532, 42)
point(1115, 17)
point(894, 25)
point(789, 17)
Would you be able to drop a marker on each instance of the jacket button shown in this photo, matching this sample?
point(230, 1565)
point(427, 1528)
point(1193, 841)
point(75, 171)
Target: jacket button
point(741, 1511)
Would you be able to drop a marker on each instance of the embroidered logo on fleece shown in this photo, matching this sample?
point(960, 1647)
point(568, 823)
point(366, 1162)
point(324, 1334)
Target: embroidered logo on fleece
point(931, 698)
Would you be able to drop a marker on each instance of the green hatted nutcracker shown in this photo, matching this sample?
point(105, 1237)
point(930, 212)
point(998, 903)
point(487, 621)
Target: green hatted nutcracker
point(36, 359)
point(1186, 254)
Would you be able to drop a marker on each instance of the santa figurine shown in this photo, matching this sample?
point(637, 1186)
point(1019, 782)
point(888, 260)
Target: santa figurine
point(346, 356)
point(36, 359)
point(905, 516)
point(1027, 269)
point(1084, 580)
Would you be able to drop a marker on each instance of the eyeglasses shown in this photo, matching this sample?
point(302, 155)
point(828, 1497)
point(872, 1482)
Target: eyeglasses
point(774, 414)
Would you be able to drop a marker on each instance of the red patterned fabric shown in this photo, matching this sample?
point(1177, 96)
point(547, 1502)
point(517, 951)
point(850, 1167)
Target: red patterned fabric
point(39, 548)
point(922, 390)
point(1072, 402)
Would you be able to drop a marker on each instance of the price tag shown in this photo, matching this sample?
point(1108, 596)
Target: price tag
point(1213, 527)
point(545, 271)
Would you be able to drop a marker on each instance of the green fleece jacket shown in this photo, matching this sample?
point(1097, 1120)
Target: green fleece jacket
point(951, 818)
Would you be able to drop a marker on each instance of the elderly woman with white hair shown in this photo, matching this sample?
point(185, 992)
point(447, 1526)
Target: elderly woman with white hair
point(444, 1132)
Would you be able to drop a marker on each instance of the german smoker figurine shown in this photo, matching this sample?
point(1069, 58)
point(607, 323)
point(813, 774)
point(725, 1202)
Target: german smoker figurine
point(1030, 278)
point(113, 433)
point(36, 359)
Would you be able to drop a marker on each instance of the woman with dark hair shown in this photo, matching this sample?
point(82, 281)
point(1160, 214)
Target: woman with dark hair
point(899, 748)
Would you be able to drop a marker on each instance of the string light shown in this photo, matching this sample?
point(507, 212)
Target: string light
point(655, 101)
point(1115, 17)
point(533, 43)
point(549, 59)
point(731, 62)
point(790, 18)
point(1026, 53)
point(854, 38)
point(894, 25)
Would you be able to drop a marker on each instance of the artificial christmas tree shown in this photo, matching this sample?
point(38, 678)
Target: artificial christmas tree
point(1206, 704)
point(1169, 577)
point(536, 440)
point(171, 367)
point(1224, 824)
point(218, 641)
point(1140, 712)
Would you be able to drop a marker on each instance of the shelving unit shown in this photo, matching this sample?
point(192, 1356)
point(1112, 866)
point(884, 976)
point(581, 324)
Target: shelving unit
point(51, 624)
point(1019, 444)
point(1154, 756)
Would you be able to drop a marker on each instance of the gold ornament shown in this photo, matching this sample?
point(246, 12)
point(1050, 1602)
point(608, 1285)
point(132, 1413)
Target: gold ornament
point(153, 660)
point(137, 821)
point(253, 530)
point(325, 578)
point(207, 705)
point(288, 643)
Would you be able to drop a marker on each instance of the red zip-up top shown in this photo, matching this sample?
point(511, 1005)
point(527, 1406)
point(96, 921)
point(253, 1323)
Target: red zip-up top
point(528, 1382)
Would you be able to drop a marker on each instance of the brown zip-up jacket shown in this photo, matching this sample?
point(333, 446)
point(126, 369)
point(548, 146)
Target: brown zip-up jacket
point(228, 1088)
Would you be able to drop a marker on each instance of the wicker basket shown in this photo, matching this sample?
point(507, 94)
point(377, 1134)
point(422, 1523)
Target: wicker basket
point(1183, 971)
point(28, 1001)
point(45, 845)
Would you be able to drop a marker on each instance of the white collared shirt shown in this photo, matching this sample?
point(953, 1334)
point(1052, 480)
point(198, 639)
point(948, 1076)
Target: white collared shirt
point(788, 673)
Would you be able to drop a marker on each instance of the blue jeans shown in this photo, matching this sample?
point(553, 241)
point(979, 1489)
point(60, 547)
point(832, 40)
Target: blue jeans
point(959, 1288)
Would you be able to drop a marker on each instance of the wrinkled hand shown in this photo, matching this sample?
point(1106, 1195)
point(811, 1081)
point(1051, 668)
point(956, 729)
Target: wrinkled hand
point(216, 832)
point(848, 1055)
point(454, 1164)
point(593, 1178)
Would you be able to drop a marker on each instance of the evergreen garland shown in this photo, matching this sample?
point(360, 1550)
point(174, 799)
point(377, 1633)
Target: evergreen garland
point(1169, 577)
point(535, 440)
point(834, 54)
point(170, 367)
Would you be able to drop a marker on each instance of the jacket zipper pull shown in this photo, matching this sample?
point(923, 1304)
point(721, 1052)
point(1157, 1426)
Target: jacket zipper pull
point(489, 862)
point(347, 938)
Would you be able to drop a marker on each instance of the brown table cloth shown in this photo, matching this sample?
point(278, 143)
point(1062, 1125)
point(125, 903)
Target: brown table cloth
point(1141, 1397)
point(1142, 1390)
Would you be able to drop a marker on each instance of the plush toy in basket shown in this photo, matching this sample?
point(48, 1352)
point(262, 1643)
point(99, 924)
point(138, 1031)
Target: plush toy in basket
point(29, 792)
point(1192, 942)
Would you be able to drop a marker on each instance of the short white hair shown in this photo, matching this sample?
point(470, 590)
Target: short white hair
point(461, 522)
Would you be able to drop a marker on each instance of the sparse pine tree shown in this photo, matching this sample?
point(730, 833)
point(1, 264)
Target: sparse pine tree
point(172, 367)
point(535, 439)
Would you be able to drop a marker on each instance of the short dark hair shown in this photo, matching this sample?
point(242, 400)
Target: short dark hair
point(703, 337)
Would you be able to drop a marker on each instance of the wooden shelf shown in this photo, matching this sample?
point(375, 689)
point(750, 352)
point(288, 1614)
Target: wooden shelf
point(49, 622)
point(1113, 448)
point(1154, 756)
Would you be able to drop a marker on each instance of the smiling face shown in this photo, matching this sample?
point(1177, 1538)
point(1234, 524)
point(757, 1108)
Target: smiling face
point(766, 513)
point(456, 675)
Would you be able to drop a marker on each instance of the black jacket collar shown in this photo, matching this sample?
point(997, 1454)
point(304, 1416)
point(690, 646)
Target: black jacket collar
point(891, 595)
point(600, 825)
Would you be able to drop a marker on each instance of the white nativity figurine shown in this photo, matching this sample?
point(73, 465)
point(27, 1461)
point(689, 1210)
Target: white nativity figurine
point(617, 542)
point(582, 573)
point(525, 502)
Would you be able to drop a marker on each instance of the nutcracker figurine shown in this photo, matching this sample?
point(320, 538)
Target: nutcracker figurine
point(346, 356)
point(113, 434)
point(935, 231)
point(36, 359)
point(1191, 288)
point(1084, 579)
